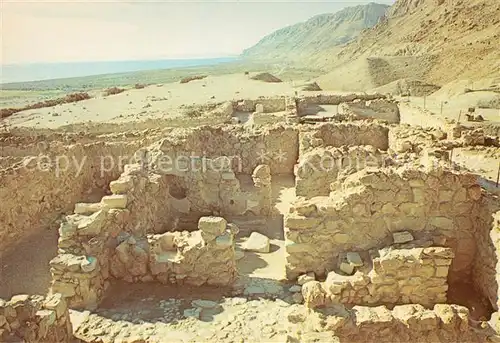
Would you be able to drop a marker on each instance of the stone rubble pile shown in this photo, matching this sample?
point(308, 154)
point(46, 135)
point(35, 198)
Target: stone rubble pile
point(33, 318)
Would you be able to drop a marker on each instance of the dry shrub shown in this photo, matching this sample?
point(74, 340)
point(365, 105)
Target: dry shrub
point(74, 97)
point(266, 77)
point(192, 78)
point(139, 86)
point(113, 91)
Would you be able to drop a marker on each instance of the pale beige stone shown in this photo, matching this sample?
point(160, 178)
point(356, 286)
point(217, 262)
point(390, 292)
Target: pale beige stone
point(114, 201)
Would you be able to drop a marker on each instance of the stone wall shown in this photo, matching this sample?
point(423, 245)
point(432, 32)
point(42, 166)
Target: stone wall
point(337, 135)
point(108, 240)
point(405, 138)
point(380, 109)
point(404, 324)
point(320, 167)
point(332, 99)
point(486, 270)
point(276, 146)
point(80, 271)
point(396, 276)
point(269, 105)
point(34, 318)
point(36, 192)
point(437, 204)
point(203, 257)
point(204, 186)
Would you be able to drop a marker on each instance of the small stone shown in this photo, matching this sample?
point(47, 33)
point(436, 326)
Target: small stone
point(305, 278)
point(298, 298)
point(192, 312)
point(257, 242)
point(89, 264)
point(354, 259)
point(347, 268)
point(295, 288)
point(402, 237)
point(204, 303)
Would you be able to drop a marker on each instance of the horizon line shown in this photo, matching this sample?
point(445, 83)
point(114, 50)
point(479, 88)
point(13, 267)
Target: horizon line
point(192, 57)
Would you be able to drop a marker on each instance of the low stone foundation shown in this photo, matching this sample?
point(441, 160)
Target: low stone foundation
point(398, 276)
point(33, 318)
point(405, 323)
point(203, 257)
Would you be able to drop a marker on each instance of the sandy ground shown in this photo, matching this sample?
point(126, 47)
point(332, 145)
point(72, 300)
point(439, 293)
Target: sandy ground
point(153, 102)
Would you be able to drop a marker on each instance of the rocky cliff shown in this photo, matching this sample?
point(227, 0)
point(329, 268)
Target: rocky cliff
point(318, 33)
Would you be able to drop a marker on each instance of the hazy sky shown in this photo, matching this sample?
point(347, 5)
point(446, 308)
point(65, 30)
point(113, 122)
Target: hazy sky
point(69, 30)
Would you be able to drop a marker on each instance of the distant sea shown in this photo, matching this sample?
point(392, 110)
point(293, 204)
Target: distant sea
point(45, 71)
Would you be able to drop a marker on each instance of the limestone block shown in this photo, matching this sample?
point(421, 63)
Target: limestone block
point(87, 208)
point(354, 259)
point(114, 201)
point(259, 108)
point(305, 278)
point(347, 268)
point(372, 315)
point(402, 237)
point(122, 185)
point(212, 225)
point(293, 221)
point(314, 295)
point(67, 262)
point(225, 240)
point(45, 319)
point(89, 264)
point(66, 289)
point(57, 303)
point(257, 242)
point(92, 225)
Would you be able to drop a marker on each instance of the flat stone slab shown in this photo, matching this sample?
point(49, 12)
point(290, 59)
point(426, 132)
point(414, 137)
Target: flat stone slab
point(354, 259)
point(257, 242)
point(402, 237)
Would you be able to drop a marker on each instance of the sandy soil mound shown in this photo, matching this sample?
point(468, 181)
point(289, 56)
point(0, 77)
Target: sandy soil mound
point(266, 77)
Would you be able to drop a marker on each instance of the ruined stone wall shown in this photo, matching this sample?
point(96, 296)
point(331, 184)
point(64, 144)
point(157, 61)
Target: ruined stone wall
point(34, 318)
point(332, 99)
point(350, 134)
point(37, 191)
point(203, 257)
point(396, 276)
point(437, 204)
point(404, 324)
point(320, 167)
point(486, 267)
point(276, 146)
point(273, 104)
point(405, 138)
point(380, 109)
point(208, 186)
point(108, 240)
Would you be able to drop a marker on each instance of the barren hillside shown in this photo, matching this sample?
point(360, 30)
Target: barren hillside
point(434, 40)
point(318, 33)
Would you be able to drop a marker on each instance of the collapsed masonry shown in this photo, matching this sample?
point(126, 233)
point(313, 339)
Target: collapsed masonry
point(389, 233)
